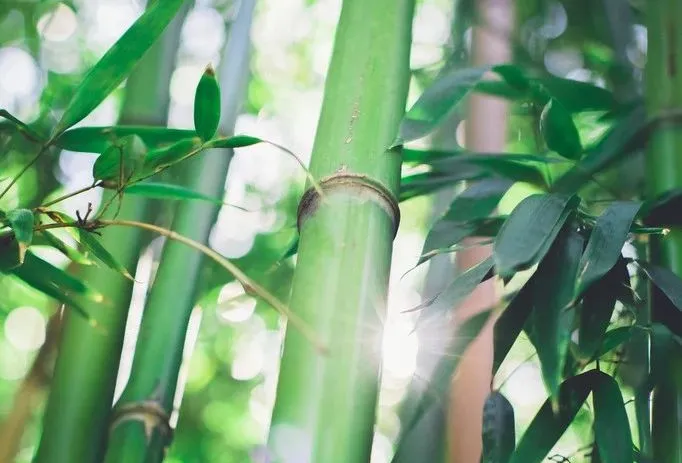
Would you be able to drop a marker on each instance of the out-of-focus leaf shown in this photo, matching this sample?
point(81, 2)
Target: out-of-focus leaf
point(93, 245)
point(429, 182)
point(117, 62)
point(120, 161)
point(577, 96)
point(436, 103)
point(440, 382)
point(516, 167)
point(598, 305)
point(21, 126)
point(237, 141)
point(559, 131)
point(476, 202)
point(10, 255)
point(611, 427)
point(161, 158)
point(22, 221)
point(456, 292)
point(207, 105)
point(666, 280)
point(621, 140)
point(57, 284)
point(664, 210)
point(548, 425)
point(510, 323)
point(169, 191)
point(529, 231)
point(606, 242)
point(498, 429)
point(64, 248)
point(552, 317)
point(614, 338)
point(97, 139)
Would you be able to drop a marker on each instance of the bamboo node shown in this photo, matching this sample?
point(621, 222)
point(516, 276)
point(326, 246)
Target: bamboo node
point(353, 185)
point(148, 412)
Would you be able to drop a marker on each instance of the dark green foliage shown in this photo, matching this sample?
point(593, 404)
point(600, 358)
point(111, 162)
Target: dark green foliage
point(559, 131)
point(498, 429)
point(207, 105)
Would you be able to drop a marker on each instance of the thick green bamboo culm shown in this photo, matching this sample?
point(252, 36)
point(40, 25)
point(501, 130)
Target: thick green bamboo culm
point(664, 172)
point(325, 407)
point(140, 428)
point(76, 418)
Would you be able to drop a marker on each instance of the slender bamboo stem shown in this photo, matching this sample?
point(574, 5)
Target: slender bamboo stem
point(325, 408)
point(79, 403)
point(664, 172)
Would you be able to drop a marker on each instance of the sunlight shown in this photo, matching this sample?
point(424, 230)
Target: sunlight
point(399, 349)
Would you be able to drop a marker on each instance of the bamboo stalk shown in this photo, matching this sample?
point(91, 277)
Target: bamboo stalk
point(325, 408)
point(664, 172)
point(79, 403)
point(140, 429)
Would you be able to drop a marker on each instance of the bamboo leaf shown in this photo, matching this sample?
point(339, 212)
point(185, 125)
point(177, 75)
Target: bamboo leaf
point(97, 139)
point(456, 292)
point(237, 141)
point(614, 338)
point(515, 167)
point(663, 211)
point(22, 221)
point(611, 427)
point(21, 126)
point(577, 96)
point(598, 305)
point(10, 255)
point(65, 249)
point(430, 182)
point(169, 191)
point(476, 202)
point(529, 231)
point(559, 131)
point(552, 316)
point(120, 161)
point(606, 242)
point(207, 105)
point(548, 425)
point(498, 429)
point(117, 62)
point(93, 245)
point(666, 280)
point(161, 158)
point(437, 102)
point(510, 323)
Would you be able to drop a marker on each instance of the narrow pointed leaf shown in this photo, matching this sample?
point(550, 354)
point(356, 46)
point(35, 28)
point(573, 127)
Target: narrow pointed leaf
point(118, 62)
point(476, 202)
point(457, 291)
point(510, 323)
point(614, 338)
point(547, 425)
point(21, 126)
point(559, 131)
point(552, 315)
point(10, 255)
point(437, 102)
point(169, 191)
point(606, 242)
point(611, 426)
point(598, 304)
point(498, 429)
point(530, 229)
point(663, 211)
point(120, 161)
point(207, 105)
point(237, 141)
point(161, 158)
point(511, 166)
point(93, 245)
point(666, 280)
point(429, 182)
point(22, 221)
point(97, 139)
point(577, 96)
point(65, 249)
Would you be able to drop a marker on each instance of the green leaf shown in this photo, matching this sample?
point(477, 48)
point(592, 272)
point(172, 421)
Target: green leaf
point(98, 139)
point(456, 292)
point(577, 96)
point(117, 62)
point(623, 139)
point(478, 201)
point(666, 280)
point(161, 158)
point(57, 284)
point(498, 429)
point(663, 210)
point(611, 426)
point(237, 141)
point(168, 191)
point(614, 338)
point(559, 131)
point(598, 305)
point(515, 167)
point(548, 425)
point(606, 242)
point(22, 221)
point(207, 105)
point(21, 126)
point(93, 245)
point(529, 231)
point(552, 316)
point(10, 254)
point(437, 102)
point(510, 323)
point(65, 249)
point(119, 163)
point(429, 182)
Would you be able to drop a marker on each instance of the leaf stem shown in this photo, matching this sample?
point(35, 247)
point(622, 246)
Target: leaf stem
point(69, 195)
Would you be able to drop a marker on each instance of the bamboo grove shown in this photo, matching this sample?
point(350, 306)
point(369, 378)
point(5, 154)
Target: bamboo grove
point(585, 248)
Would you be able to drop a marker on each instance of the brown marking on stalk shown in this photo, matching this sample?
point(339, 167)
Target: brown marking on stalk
point(353, 117)
point(149, 413)
point(672, 50)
